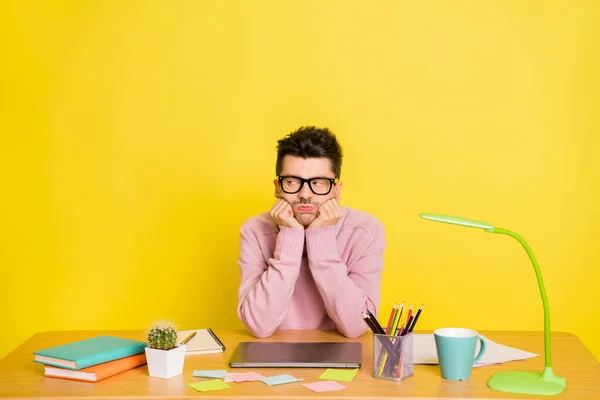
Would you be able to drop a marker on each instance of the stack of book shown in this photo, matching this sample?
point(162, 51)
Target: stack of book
point(93, 359)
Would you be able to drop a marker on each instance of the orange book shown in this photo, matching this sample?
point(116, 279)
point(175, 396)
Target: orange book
point(99, 371)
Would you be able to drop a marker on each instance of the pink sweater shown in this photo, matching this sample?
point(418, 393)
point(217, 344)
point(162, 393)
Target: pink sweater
point(313, 279)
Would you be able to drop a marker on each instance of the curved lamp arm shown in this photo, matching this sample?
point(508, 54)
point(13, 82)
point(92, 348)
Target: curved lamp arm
point(540, 280)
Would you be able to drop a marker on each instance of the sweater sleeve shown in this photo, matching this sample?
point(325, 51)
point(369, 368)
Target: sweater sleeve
point(347, 290)
point(266, 287)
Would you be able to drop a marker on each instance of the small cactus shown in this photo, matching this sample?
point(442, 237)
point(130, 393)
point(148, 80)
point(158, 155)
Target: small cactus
point(162, 336)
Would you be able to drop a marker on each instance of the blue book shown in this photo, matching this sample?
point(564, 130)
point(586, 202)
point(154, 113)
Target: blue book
point(89, 352)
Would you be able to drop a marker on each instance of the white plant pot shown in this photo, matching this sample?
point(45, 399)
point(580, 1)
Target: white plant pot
point(165, 363)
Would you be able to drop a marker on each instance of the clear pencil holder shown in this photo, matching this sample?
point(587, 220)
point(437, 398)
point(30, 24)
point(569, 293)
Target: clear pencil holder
point(393, 357)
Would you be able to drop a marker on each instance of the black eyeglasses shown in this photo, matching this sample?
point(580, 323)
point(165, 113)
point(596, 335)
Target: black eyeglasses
point(294, 184)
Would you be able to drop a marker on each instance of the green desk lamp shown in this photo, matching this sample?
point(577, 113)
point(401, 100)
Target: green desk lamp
point(523, 382)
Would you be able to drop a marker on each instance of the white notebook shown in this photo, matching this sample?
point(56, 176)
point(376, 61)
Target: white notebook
point(204, 341)
point(426, 353)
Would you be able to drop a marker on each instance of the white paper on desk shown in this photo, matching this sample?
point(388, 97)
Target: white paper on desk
point(425, 352)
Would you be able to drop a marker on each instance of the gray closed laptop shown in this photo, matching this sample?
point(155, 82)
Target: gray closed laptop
point(297, 354)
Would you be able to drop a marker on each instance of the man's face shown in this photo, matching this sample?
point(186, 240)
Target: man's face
point(305, 203)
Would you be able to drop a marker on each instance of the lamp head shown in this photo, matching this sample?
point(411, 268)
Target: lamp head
point(458, 221)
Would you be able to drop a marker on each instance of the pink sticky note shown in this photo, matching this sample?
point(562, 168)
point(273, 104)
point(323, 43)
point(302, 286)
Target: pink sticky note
point(325, 386)
point(243, 377)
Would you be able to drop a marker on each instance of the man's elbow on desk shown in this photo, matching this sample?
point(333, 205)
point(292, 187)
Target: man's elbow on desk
point(261, 332)
point(258, 330)
point(352, 331)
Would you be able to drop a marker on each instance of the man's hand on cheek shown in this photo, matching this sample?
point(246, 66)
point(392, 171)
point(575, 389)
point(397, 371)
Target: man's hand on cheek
point(283, 215)
point(328, 214)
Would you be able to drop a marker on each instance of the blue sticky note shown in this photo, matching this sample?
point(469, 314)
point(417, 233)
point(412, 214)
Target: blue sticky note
point(280, 379)
point(210, 373)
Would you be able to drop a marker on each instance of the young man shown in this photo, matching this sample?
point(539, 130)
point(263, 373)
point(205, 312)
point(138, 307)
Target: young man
point(309, 263)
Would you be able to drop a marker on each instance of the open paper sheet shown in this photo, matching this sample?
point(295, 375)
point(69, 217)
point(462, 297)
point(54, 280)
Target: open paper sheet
point(425, 352)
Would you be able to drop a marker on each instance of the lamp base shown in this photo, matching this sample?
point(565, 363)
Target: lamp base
point(528, 382)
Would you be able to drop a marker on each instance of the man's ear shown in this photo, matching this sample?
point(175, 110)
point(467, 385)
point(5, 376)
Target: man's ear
point(338, 191)
point(277, 190)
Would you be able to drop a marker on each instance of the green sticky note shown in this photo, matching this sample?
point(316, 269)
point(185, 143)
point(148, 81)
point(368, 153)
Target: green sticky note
point(345, 375)
point(214, 384)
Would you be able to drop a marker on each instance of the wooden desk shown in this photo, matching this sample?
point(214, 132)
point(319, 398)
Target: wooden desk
point(20, 377)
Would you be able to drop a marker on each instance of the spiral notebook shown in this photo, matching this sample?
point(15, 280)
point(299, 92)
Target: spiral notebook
point(203, 342)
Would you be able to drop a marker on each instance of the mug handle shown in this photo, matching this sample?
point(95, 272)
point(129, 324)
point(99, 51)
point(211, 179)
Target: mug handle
point(481, 349)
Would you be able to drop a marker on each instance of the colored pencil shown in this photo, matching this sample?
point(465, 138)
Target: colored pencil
point(376, 323)
point(381, 359)
point(388, 328)
point(382, 362)
point(373, 328)
point(369, 323)
point(416, 318)
point(400, 369)
point(405, 331)
point(397, 321)
point(391, 332)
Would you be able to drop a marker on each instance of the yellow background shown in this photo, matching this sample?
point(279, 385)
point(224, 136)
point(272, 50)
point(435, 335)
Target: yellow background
point(137, 136)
